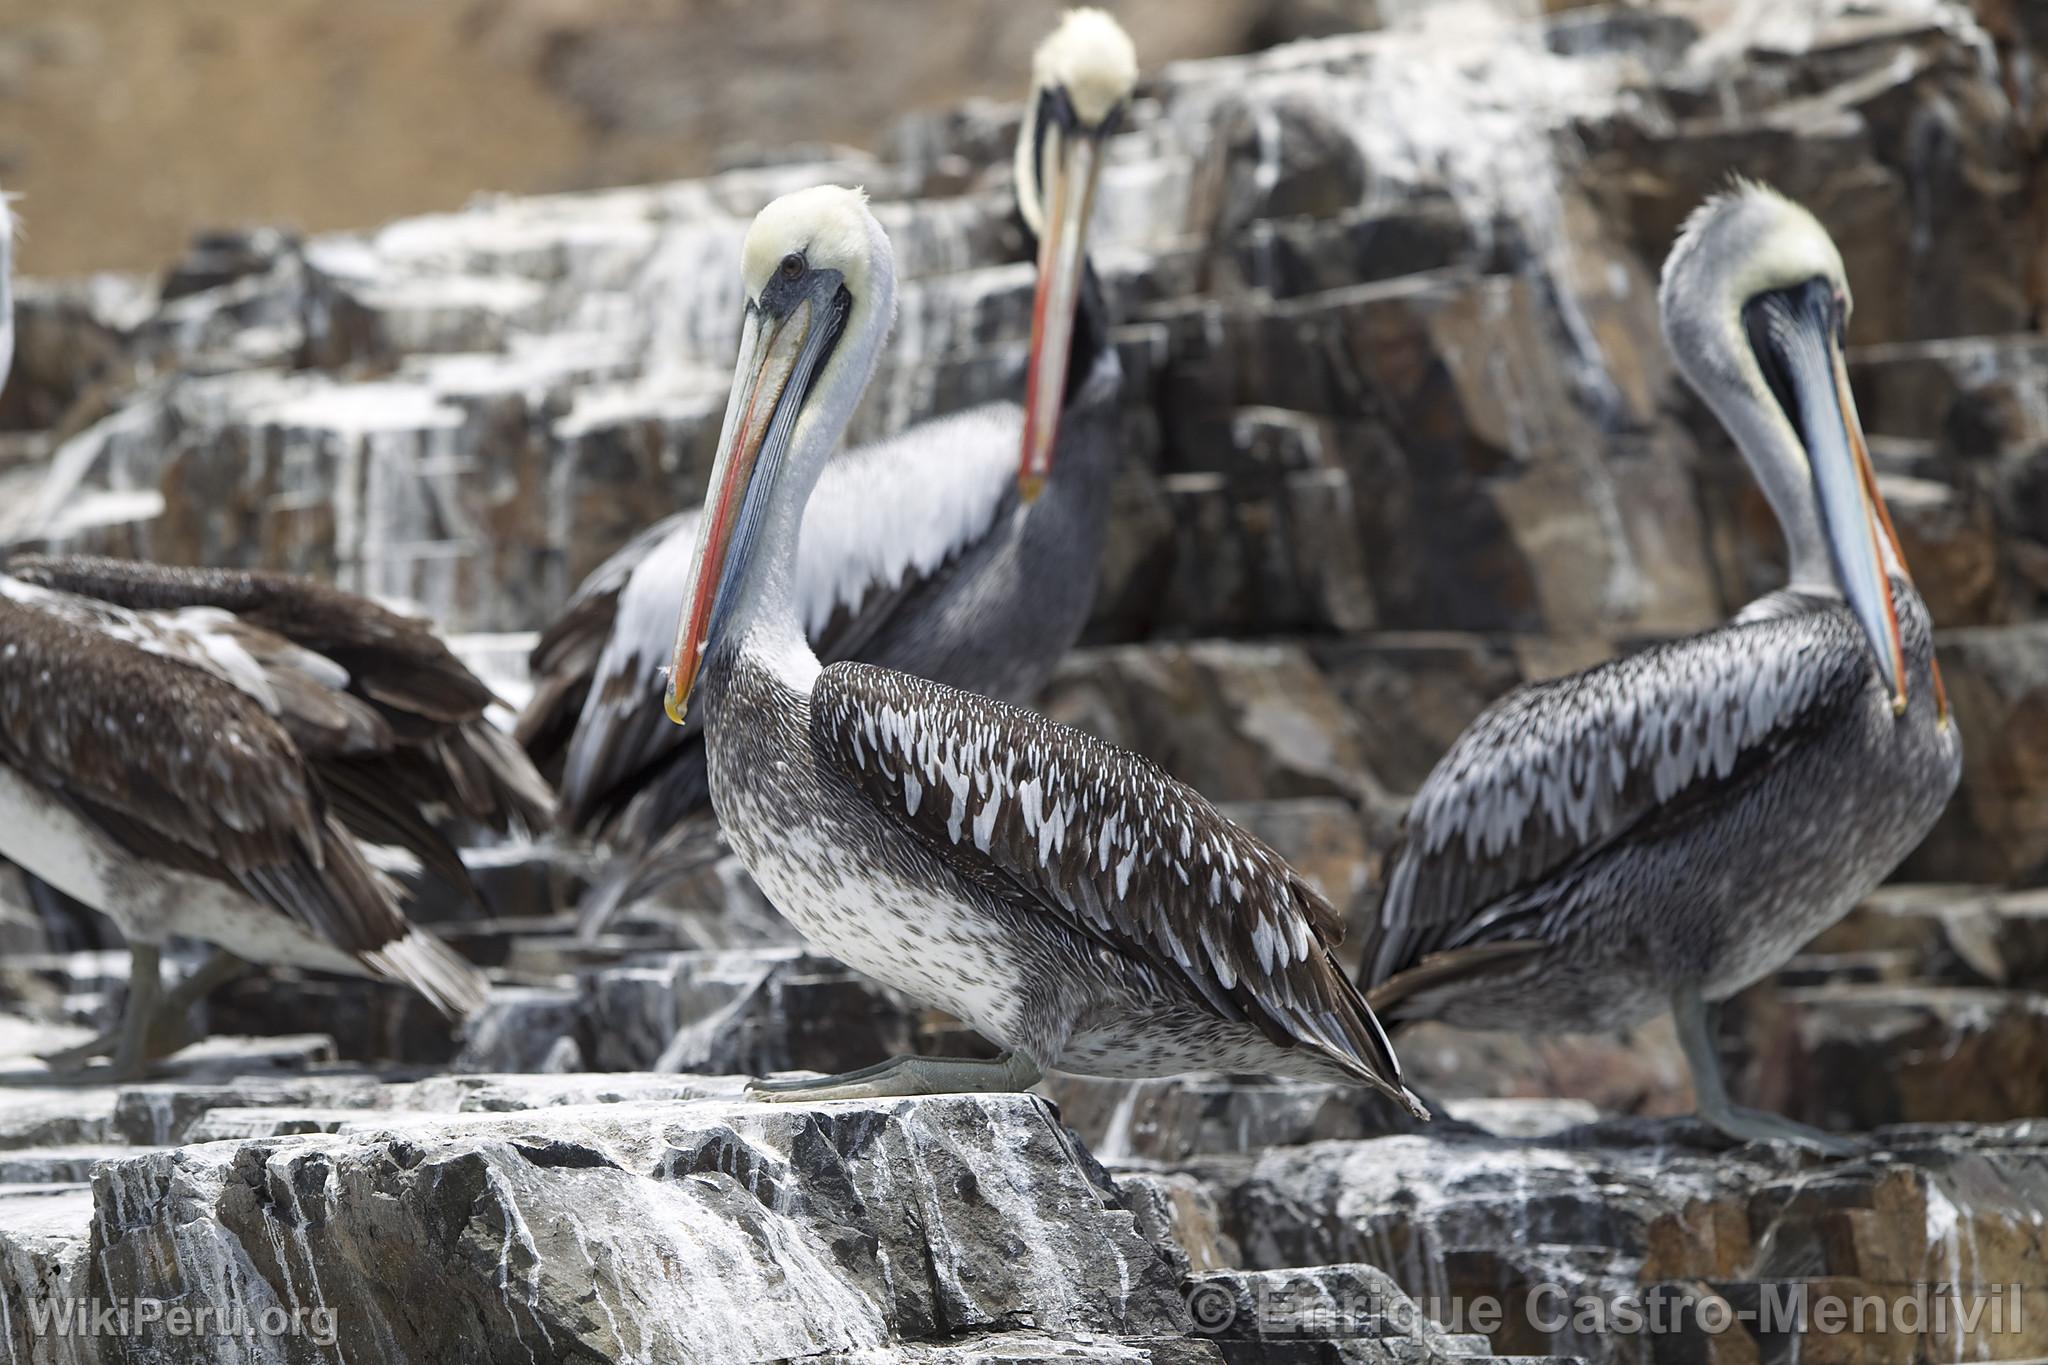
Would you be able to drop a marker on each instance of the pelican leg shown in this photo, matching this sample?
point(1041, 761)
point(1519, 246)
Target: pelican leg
point(161, 1027)
point(1695, 1020)
point(219, 969)
point(908, 1076)
point(145, 983)
point(78, 1054)
point(168, 1030)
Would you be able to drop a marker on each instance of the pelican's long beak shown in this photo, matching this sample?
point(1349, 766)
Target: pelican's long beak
point(1859, 531)
point(1075, 162)
point(779, 359)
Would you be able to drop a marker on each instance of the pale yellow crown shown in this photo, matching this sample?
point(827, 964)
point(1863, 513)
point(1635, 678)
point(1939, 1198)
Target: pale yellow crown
point(1756, 240)
point(828, 224)
point(1090, 57)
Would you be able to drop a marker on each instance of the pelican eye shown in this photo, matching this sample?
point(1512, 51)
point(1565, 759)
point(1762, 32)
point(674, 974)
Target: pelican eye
point(793, 266)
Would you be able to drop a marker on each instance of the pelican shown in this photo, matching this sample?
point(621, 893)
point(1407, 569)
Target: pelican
point(1067, 898)
point(199, 752)
point(932, 552)
point(206, 752)
point(1662, 830)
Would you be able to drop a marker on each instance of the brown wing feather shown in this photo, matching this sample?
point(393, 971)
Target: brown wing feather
point(405, 694)
point(392, 659)
point(175, 764)
point(1110, 844)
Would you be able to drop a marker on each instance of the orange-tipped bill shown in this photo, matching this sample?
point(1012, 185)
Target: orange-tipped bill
point(1896, 556)
point(777, 359)
point(1075, 161)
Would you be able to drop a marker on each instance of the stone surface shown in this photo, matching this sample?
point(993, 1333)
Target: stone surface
point(636, 1215)
point(636, 1218)
point(1529, 1229)
point(1239, 722)
point(641, 1217)
point(1400, 435)
point(1996, 828)
point(1873, 1053)
point(786, 1231)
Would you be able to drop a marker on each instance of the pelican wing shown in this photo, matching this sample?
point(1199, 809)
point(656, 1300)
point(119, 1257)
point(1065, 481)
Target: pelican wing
point(565, 660)
point(622, 741)
point(1556, 772)
point(180, 767)
point(887, 523)
point(890, 519)
point(389, 721)
point(395, 661)
point(1107, 844)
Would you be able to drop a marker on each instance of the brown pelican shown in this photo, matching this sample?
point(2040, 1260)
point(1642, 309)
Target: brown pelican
point(1066, 898)
point(198, 752)
point(929, 552)
point(1667, 828)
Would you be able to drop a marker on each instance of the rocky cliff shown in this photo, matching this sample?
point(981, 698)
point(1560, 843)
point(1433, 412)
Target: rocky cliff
point(1401, 434)
point(1397, 395)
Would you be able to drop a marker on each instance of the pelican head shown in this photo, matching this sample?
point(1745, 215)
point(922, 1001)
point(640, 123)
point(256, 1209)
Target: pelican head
point(820, 282)
point(1755, 304)
point(1081, 79)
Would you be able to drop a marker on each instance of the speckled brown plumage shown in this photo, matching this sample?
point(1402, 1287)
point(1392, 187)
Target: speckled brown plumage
point(1053, 821)
point(205, 724)
point(396, 660)
point(229, 798)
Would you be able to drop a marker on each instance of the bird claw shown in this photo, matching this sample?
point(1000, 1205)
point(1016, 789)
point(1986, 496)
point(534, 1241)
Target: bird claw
point(901, 1077)
point(1758, 1125)
point(78, 1057)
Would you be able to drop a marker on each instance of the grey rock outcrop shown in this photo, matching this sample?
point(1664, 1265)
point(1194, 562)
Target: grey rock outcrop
point(1400, 435)
point(527, 1218)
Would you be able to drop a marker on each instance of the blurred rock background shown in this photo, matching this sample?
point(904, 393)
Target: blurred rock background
point(131, 126)
point(1401, 434)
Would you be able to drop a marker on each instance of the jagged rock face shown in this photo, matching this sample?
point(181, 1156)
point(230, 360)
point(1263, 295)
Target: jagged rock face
point(647, 1232)
point(1461, 1221)
point(1994, 830)
point(1238, 722)
point(646, 1218)
point(1399, 422)
point(521, 1218)
point(1390, 300)
point(1388, 321)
